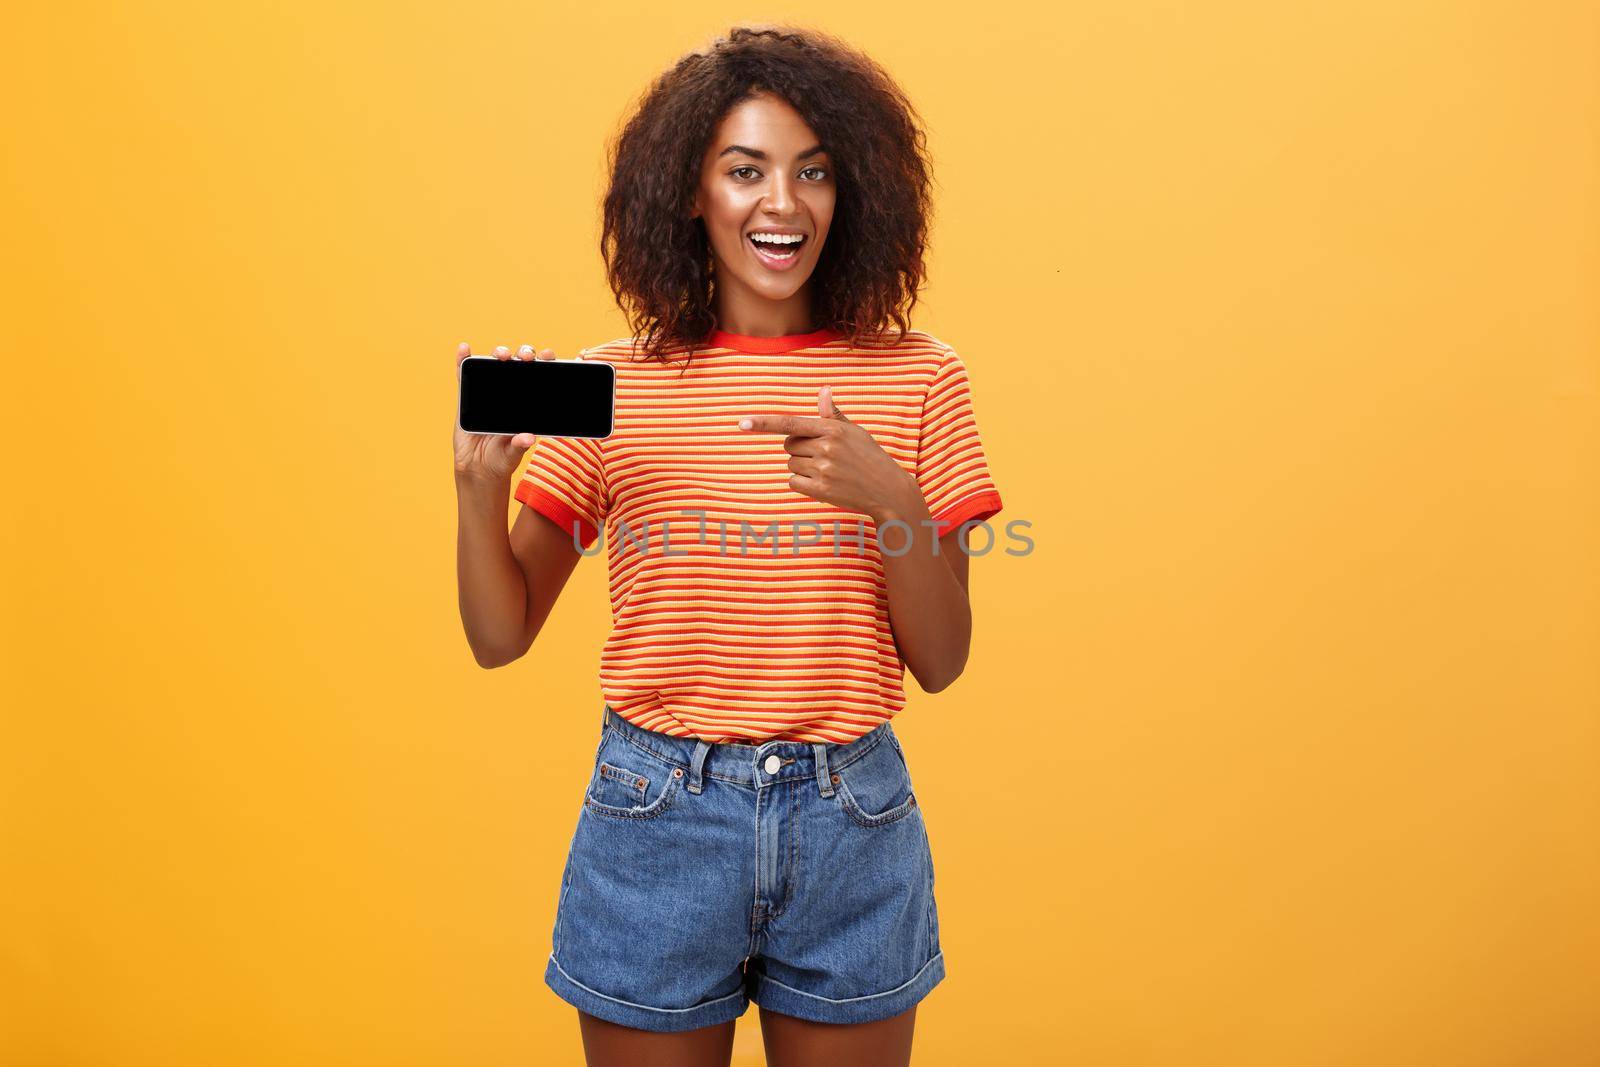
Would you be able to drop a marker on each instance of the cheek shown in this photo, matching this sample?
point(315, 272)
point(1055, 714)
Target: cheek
point(822, 210)
point(726, 220)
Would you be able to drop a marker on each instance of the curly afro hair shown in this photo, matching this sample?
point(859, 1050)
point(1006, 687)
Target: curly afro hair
point(658, 259)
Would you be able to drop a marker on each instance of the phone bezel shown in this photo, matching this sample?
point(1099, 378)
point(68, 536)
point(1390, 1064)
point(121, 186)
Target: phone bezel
point(611, 424)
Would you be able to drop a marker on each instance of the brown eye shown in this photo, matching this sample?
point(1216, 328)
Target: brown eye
point(821, 172)
point(735, 171)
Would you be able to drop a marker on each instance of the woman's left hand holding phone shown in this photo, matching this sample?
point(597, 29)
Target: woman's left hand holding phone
point(493, 458)
point(499, 591)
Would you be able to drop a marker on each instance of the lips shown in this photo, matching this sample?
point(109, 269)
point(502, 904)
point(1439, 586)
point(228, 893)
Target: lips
point(776, 257)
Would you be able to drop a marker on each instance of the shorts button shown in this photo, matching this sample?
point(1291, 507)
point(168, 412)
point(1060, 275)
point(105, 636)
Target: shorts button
point(772, 764)
point(834, 778)
point(677, 772)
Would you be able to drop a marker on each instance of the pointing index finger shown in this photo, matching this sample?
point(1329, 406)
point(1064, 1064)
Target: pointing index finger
point(794, 425)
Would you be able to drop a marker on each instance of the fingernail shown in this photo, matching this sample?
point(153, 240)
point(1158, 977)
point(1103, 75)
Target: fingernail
point(744, 424)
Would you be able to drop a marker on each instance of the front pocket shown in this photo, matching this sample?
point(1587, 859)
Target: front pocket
point(854, 809)
point(618, 787)
point(621, 792)
point(875, 789)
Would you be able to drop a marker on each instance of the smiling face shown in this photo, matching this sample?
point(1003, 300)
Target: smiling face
point(766, 196)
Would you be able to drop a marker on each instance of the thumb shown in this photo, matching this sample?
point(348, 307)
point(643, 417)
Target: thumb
point(826, 407)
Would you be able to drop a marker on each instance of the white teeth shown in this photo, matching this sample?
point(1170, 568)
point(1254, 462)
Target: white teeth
point(778, 238)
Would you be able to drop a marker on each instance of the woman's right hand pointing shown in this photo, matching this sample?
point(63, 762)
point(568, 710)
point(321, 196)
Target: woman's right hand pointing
point(492, 457)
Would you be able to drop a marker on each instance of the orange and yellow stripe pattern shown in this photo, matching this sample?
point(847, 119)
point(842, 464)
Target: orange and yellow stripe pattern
point(742, 609)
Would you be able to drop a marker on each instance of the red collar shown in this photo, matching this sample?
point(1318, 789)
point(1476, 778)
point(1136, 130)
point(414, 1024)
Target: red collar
point(788, 343)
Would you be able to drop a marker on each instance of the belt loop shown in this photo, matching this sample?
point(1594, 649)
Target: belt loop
point(697, 761)
point(824, 778)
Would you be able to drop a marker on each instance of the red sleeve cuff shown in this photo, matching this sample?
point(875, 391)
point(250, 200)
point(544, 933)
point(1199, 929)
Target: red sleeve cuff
point(980, 506)
point(556, 512)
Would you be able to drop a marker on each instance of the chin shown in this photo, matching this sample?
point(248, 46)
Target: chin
point(783, 292)
point(765, 288)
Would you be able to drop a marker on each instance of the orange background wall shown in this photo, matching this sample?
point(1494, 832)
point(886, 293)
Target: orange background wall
point(1280, 748)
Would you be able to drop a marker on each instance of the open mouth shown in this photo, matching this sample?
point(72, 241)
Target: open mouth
point(777, 248)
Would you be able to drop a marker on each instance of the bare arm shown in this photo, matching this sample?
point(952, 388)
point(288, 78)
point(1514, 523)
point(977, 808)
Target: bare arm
point(928, 607)
point(508, 583)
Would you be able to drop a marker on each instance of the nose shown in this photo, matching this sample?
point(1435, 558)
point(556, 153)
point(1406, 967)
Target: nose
point(780, 199)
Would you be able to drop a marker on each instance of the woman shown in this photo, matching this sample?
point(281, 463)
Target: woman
point(783, 495)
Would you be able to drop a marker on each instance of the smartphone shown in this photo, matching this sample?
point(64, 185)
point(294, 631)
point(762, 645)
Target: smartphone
point(548, 397)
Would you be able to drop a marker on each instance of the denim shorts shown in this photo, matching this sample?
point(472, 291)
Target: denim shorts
point(702, 877)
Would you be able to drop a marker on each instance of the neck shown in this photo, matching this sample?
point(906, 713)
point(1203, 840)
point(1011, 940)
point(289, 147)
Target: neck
point(753, 315)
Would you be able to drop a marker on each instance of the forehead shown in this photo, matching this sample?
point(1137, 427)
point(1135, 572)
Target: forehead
point(766, 122)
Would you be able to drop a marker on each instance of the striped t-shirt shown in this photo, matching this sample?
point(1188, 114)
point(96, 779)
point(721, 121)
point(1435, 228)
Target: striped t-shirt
point(742, 609)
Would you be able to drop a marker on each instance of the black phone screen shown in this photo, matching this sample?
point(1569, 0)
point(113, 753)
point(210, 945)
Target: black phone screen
point(548, 397)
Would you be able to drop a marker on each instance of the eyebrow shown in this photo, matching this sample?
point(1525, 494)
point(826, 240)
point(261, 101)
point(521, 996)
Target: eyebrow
point(814, 150)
